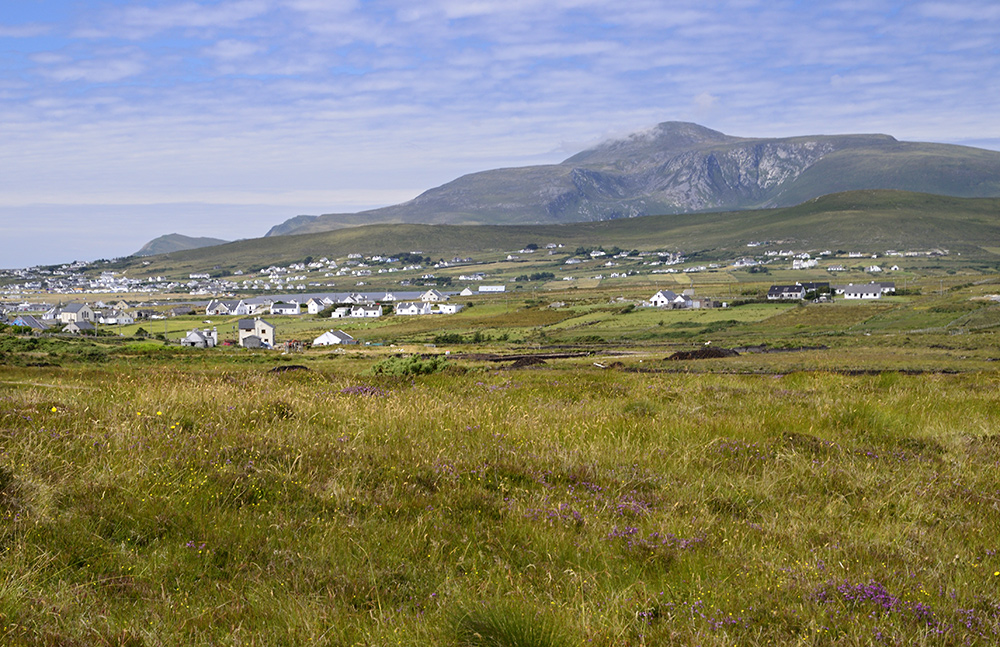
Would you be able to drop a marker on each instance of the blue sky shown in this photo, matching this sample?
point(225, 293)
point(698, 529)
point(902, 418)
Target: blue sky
point(122, 121)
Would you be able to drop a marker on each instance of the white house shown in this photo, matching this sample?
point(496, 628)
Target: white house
point(467, 292)
point(449, 308)
point(116, 318)
point(662, 298)
point(332, 338)
point(881, 287)
point(280, 308)
point(215, 307)
point(803, 263)
point(314, 306)
point(407, 308)
point(668, 299)
point(341, 312)
point(256, 305)
point(781, 292)
point(867, 291)
point(201, 338)
point(366, 311)
point(432, 296)
point(492, 288)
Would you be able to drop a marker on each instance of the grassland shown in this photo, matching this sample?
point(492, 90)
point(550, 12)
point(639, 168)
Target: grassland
point(183, 499)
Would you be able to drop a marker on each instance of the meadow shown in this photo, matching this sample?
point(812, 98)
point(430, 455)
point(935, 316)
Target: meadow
point(165, 497)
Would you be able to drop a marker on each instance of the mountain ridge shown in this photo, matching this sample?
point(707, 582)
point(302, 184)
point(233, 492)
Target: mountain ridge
point(680, 167)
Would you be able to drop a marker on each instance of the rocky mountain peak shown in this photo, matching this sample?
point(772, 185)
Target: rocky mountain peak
point(662, 140)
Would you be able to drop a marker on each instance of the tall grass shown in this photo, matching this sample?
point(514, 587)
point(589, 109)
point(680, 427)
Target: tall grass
point(177, 504)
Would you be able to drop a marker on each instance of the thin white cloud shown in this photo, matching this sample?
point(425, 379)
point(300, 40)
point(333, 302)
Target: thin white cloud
point(142, 22)
point(24, 31)
point(104, 71)
point(228, 50)
point(961, 11)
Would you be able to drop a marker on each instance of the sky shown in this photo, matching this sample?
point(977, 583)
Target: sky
point(123, 121)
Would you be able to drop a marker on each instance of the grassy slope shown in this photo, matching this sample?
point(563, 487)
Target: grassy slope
point(176, 242)
point(865, 219)
point(927, 168)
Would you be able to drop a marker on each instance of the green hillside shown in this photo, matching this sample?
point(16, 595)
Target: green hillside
point(926, 168)
point(176, 243)
point(863, 220)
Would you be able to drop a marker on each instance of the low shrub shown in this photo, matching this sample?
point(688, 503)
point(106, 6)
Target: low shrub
point(410, 365)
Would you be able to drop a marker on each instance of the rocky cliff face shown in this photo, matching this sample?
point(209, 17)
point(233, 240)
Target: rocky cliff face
point(680, 167)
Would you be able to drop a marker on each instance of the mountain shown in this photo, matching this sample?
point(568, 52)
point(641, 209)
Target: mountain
point(678, 167)
point(176, 243)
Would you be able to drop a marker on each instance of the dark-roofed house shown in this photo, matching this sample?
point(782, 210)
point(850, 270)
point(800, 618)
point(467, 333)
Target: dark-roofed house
point(819, 287)
point(263, 331)
point(783, 292)
point(864, 291)
point(30, 321)
point(77, 327)
point(75, 312)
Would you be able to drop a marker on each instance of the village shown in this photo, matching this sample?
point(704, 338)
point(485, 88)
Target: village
point(276, 292)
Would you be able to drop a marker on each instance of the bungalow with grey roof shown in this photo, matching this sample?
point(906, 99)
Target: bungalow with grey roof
point(333, 337)
point(667, 299)
point(77, 327)
point(786, 292)
point(279, 308)
point(201, 338)
point(865, 291)
point(407, 308)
